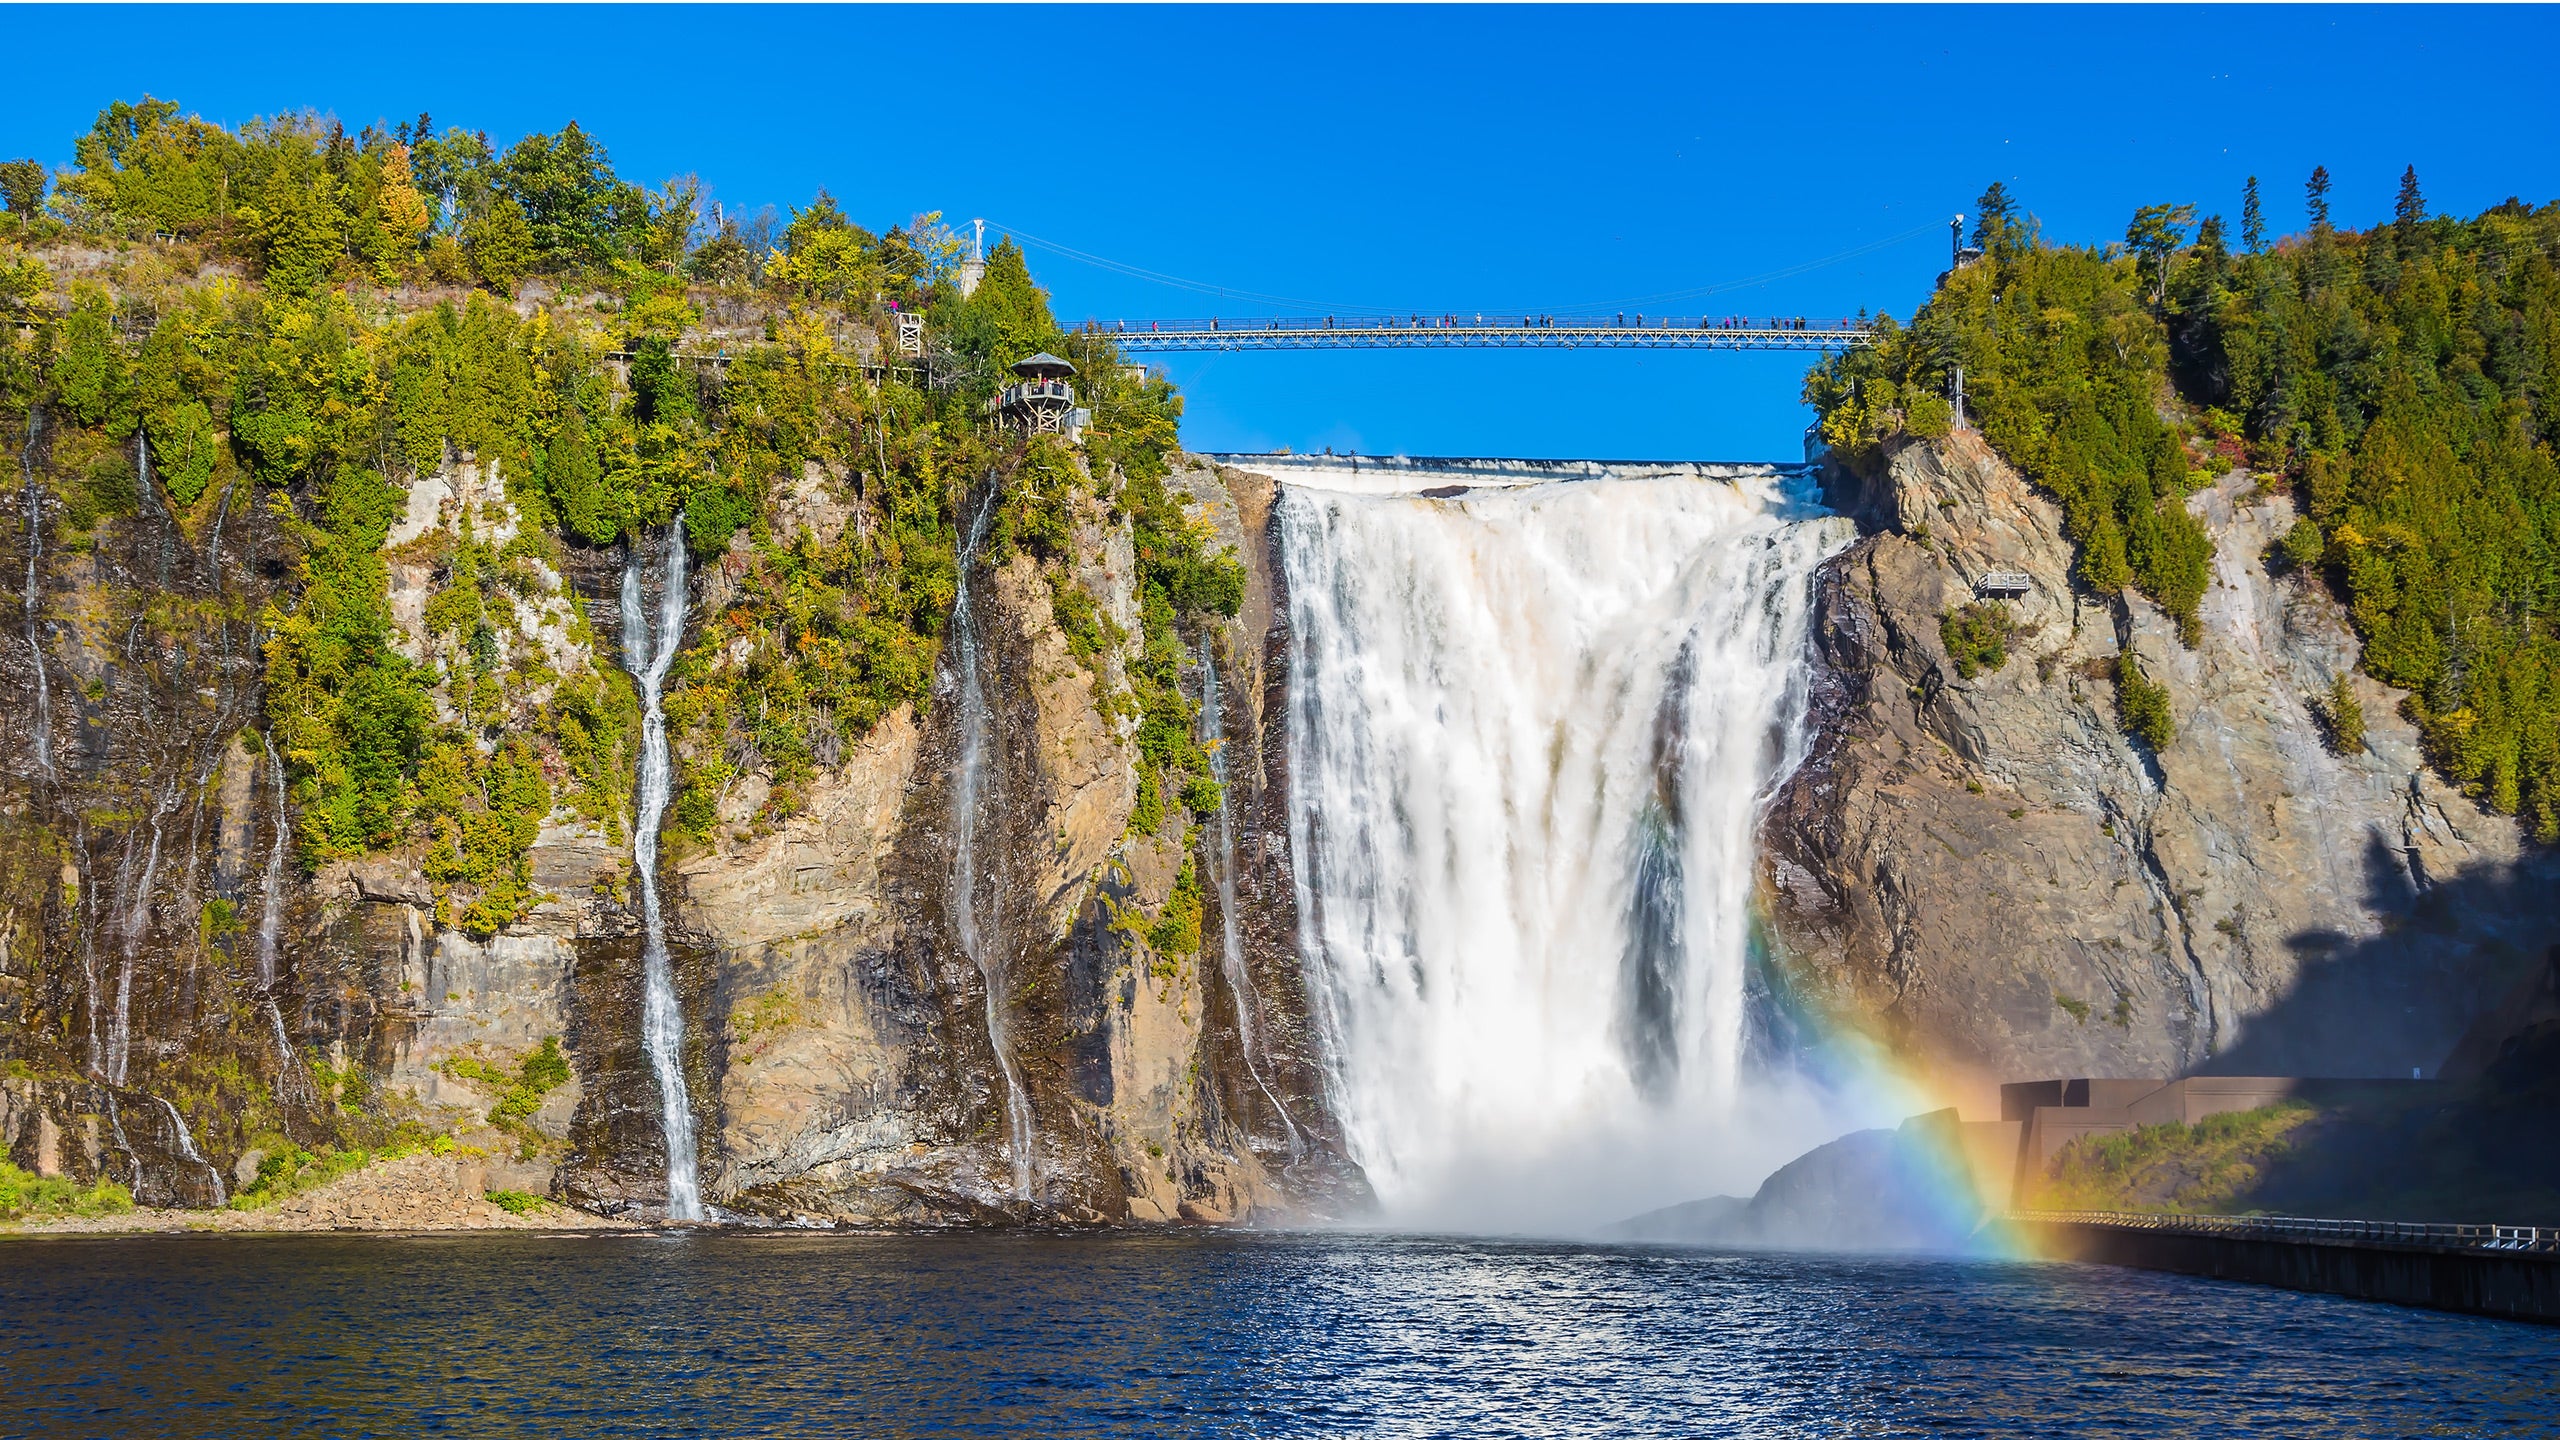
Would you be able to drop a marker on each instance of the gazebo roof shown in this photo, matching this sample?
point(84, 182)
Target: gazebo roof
point(1043, 366)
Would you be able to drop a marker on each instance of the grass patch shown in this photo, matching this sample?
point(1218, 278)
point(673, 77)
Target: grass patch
point(517, 1202)
point(520, 1091)
point(25, 1195)
point(2207, 1168)
point(292, 1170)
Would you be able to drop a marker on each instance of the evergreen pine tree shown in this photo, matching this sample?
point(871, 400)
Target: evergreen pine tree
point(2316, 198)
point(2102, 560)
point(2411, 210)
point(501, 245)
point(1992, 214)
point(2253, 221)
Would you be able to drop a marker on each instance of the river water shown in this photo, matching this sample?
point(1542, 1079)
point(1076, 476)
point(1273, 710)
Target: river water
point(789, 1334)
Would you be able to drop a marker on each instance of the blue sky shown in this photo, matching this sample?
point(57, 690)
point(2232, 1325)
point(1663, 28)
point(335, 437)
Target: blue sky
point(1437, 158)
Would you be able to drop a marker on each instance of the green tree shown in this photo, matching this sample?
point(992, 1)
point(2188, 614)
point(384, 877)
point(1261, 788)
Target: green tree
point(674, 221)
point(501, 245)
point(2410, 210)
point(2315, 194)
point(2143, 704)
point(184, 449)
point(2303, 548)
point(456, 172)
point(299, 243)
point(23, 184)
point(2253, 219)
point(2154, 237)
point(2343, 715)
point(2102, 560)
point(587, 506)
point(1993, 215)
point(1005, 321)
point(89, 373)
point(577, 210)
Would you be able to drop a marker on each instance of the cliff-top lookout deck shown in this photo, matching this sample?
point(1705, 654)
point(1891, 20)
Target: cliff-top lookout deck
point(1043, 400)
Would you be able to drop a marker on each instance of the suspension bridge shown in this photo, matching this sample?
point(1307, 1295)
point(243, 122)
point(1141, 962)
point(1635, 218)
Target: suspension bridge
point(1476, 331)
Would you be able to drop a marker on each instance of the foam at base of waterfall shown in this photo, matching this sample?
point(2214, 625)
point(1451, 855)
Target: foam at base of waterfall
point(1532, 727)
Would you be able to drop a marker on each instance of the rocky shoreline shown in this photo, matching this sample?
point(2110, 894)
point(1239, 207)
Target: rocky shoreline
point(412, 1194)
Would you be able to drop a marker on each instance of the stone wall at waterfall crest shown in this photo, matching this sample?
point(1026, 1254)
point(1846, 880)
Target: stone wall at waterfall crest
point(1994, 876)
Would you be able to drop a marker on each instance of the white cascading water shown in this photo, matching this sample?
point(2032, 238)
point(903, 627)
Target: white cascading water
point(967, 783)
point(661, 1019)
point(137, 923)
point(30, 599)
point(1532, 727)
point(1213, 735)
point(271, 888)
point(270, 930)
point(187, 1151)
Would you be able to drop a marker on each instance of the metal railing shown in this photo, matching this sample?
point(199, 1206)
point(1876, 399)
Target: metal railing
point(1028, 391)
point(1478, 329)
point(2502, 1239)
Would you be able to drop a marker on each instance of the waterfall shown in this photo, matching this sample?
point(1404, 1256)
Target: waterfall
point(966, 785)
point(270, 927)
point(1213, 735)
point(1533, 721)
point(187, 1148)
point(213, 549)
point(115, 1126)
point(271, 889)
point(661, 1019)
point(159, 506)
point(137, 923)
point(31, 597)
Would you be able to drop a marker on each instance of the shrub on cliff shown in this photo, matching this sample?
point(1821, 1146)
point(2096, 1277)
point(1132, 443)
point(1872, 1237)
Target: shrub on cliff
point(1976, 637)
point(2342, 715)
point(2142, 704)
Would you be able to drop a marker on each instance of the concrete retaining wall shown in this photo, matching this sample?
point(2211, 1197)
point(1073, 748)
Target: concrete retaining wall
point(2478, 1282)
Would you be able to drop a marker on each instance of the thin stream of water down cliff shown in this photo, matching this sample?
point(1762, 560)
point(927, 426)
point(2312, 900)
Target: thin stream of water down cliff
point(31, 599)
point(968, 783)
point(1531, 726)
point(1213, 734)
point(661, 1019)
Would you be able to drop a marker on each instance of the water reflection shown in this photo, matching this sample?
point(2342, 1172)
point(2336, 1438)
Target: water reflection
point(789, 1334)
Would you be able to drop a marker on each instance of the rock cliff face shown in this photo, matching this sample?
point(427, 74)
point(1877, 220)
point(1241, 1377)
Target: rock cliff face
point(855, 1080)
point(175, 990)
point(2002, 882)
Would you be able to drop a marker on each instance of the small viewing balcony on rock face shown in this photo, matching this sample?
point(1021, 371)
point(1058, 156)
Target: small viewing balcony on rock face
point(2003, 585)
point(1043, 402)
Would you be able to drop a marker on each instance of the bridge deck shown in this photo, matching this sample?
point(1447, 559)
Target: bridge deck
point(1482, 332)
